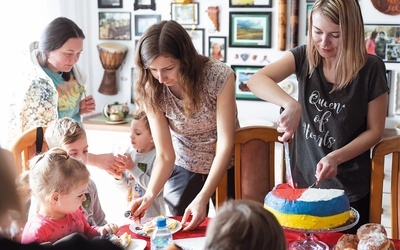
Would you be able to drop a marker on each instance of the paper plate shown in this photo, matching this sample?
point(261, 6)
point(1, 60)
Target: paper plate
point(133, 226)
point(137, 244)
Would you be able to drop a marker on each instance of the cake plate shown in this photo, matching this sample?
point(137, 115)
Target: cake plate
point(308, 242)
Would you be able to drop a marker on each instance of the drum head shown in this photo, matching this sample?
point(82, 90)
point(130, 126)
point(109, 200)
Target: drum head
point(112, 47)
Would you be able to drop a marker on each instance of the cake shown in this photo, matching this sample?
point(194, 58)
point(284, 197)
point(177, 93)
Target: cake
point(308, 208)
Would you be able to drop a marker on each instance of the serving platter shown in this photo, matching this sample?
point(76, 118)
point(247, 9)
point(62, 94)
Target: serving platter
point(308, 240)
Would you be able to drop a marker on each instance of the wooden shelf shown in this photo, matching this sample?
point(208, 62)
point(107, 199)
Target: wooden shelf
point(98, 122)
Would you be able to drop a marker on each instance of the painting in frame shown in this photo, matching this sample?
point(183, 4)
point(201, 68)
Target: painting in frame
point(115, 26)
point(243, 74)
point(386, 41)
point(109, 3)
point(142, 22)
point(250, 3)
point(250, 29)
point(217, 47)
point(197, 36)
point(185, 14)
point(144, 4)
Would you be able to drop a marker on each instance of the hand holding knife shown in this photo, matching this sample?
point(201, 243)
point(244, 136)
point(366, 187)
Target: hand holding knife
point(289, 178)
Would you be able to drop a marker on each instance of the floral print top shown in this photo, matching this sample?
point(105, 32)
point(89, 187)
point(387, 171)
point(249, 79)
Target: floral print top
point(36, 102)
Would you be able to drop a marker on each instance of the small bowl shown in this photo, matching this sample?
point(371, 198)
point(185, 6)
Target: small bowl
point(397, 128)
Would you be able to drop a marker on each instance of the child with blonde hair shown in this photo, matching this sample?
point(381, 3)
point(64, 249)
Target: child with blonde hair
point(244, 224)
point(138, 164)
point(71, 136)
point(59, 183)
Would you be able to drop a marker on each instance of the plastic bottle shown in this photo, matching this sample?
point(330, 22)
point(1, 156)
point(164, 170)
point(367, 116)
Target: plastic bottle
point(161, 237)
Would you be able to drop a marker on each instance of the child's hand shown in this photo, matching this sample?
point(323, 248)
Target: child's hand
point(109, 228)
point(129, 164)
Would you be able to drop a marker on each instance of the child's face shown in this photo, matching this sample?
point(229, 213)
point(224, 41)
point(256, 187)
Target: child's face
point(78, 149)
point(69, 203)
point(141, 138)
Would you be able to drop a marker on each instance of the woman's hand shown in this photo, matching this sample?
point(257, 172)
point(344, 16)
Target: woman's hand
point(109, 228)
point(107, 162)
point(87, 105)
point(326, 168)
point(138, 206)
point(198, 212)
point(288, 121)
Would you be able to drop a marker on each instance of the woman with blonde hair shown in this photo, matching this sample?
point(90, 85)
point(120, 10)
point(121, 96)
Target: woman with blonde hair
point(341, 106)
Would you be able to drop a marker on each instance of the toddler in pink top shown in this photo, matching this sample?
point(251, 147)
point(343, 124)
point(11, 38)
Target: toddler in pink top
point(59, 183)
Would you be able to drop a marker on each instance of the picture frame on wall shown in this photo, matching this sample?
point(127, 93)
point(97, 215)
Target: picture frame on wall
point(250, 29)
point(109, 3)
point(387, 41)
point(243, 74)
point(144, 4)
point(185, 14)
point(250, 3)
point(217, 47)
point(197, 36)
point(115, 26)
point(142, 22)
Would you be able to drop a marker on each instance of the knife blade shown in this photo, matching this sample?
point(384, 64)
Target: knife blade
point(289, 178)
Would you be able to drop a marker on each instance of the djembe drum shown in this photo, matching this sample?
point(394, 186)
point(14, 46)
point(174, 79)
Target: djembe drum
point(112, 56)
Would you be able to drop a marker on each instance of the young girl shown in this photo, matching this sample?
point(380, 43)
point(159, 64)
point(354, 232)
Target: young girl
point(139, 164)
point(59, 183)
point(71, 136)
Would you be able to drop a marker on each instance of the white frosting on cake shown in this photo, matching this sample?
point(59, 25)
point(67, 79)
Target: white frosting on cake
point(314, 194)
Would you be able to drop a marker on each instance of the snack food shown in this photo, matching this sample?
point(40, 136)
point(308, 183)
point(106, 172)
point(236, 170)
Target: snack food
point(347, 242)
point(377, 241)
point(370, 228)
point(150, 226)
point(308, 208)
point(122, 241)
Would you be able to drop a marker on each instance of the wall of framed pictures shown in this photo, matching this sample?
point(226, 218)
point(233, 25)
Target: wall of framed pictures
point(240, 33)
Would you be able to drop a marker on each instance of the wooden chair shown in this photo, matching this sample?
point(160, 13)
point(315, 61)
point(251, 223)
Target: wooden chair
point(385, 147)
point(28, 144)
point(254, 163)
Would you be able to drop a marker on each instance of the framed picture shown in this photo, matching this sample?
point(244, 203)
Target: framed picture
point(250, 29)
point(115, 25)
point(144, 4)
point(185, 14)
point(109, 3)
point(243, 74)
point(217, 47)
point(250, 3)
point(197, 36)
point(142, 22)
point(383, 40)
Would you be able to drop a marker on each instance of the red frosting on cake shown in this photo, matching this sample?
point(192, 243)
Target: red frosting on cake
point(287, 192)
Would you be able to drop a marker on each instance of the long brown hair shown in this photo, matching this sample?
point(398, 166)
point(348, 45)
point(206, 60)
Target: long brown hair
point(352, 54)
point(168, 38)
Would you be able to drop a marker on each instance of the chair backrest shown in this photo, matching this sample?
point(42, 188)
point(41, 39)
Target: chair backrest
point(27, 145)
point(383, 148)
point(254, 164)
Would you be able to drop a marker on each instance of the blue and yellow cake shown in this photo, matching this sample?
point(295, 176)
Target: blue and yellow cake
point(308, 208)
